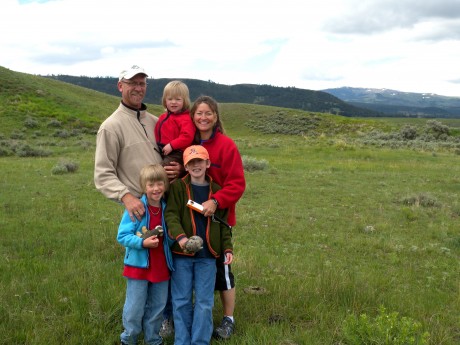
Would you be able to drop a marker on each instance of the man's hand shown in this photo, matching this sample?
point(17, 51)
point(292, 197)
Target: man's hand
point(174, 170)
point(134, 206)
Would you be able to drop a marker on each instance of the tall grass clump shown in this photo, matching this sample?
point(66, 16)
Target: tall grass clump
point(387, 328)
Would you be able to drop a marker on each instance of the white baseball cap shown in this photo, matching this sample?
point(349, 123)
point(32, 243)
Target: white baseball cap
point(131, 72)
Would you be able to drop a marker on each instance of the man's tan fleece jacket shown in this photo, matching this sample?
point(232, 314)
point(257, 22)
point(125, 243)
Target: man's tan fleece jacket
point(124, 146)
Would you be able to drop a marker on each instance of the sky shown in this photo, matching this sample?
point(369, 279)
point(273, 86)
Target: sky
point(404, 45)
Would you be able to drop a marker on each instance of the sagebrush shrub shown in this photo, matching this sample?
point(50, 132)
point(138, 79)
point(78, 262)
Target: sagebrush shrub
point(61, 133)
point(438, 129)
point(421, 199)
point(64, 168)
point(30, 122)
point(55, 123)
point(409, 132)
point(17, 135)
point(85, 145)
point(282, 124)
point(25, 150)
point(253, 164)
point(5, 151)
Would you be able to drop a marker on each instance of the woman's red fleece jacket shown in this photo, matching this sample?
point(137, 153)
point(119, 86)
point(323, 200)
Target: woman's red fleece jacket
point(227, 171)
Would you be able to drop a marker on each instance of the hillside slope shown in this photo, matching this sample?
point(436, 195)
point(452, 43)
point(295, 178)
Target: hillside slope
point(32, 106)
point(25, 96)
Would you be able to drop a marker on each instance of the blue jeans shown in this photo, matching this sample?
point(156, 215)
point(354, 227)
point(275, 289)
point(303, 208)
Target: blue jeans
point(193, 323)
point(143, 310)
point(167, 312)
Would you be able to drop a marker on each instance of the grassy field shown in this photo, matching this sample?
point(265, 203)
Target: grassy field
point(330, 229)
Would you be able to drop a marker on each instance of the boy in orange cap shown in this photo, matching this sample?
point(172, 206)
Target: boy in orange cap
point(195, 273)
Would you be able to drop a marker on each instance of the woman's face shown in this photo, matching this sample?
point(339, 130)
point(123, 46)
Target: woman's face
point(204, 119)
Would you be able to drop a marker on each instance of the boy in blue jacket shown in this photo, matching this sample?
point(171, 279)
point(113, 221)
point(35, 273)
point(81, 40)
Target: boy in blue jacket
point(148, 261)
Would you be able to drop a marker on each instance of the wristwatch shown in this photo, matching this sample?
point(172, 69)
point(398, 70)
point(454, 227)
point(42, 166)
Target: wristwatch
point(215, 201)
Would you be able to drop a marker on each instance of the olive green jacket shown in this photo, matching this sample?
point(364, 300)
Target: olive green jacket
point(181, 223)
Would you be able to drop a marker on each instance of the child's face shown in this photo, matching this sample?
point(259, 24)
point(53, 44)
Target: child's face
point(154, 191)
point(197, 167)
point(174, 104)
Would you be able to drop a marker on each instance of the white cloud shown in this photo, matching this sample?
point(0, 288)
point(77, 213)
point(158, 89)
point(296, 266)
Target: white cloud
point(405, 45)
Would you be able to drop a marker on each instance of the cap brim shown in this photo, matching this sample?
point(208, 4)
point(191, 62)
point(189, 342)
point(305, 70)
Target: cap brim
point(130, 75)
point(198, 156)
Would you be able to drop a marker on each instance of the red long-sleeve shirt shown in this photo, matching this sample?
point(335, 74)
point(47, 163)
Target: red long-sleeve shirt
point(227, 171)
point(175, 129)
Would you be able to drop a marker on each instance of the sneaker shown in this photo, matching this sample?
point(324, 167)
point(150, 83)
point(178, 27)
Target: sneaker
point(225, 330)
point(167, 328)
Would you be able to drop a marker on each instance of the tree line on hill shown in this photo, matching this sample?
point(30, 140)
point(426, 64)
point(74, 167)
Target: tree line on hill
point(285, 97)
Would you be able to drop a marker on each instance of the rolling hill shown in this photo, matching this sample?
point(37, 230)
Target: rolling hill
point(33, 106)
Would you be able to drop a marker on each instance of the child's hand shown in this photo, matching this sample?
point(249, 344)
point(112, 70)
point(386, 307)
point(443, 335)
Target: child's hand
point(167, 149)
point(151, 242)
point(228, 259)
point(182, 242)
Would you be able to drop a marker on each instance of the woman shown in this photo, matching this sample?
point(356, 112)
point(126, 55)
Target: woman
point(227, 171)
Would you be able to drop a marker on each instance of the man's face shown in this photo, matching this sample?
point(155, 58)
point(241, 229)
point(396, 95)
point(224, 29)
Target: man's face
point(133, 90)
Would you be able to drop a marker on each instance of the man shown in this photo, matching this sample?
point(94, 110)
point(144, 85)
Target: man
point(126, 143)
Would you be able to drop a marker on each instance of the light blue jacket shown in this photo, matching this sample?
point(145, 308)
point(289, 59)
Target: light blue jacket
point(136, 255)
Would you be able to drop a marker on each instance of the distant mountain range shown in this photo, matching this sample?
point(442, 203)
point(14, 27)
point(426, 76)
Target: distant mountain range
point(346, 101)
point(400, 104)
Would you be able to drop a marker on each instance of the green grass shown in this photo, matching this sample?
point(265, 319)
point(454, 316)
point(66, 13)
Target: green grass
point(300, 237)
point(326, 230)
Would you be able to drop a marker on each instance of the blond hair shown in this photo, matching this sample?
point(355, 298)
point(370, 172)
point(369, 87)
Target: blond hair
point(176, 88)
point(153, 173)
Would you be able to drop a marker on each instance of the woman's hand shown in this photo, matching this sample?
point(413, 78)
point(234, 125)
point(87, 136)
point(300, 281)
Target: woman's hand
point(209, 208)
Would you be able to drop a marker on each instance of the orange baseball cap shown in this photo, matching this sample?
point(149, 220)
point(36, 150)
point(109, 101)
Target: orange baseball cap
point(195, 151)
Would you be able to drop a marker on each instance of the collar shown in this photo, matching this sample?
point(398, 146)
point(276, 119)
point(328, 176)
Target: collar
point(214, 132)
point(142, 108)
point(188, 180)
